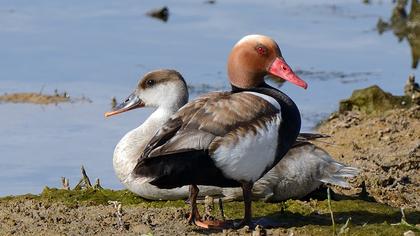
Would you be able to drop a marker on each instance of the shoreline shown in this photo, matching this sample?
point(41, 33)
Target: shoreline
point(384, 145)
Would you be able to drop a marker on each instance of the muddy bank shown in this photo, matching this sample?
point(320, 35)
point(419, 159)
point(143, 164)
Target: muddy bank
point(383, 143)
point(381, 138)
point(88, 212)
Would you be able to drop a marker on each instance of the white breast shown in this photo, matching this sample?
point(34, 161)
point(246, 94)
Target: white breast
point(247, 159)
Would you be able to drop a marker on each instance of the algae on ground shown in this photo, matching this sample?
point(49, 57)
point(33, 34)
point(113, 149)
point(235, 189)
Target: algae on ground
point(93, 197)
point(373, 100)
point(302, 217)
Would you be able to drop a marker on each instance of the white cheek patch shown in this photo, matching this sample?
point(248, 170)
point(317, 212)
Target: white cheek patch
point(160, 94)
point(269, 99)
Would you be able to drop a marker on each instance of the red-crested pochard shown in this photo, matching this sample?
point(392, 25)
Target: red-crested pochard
point(227, 139)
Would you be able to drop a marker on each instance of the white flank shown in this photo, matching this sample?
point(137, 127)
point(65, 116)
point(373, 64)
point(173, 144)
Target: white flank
point(246, 159)
point(269, 99)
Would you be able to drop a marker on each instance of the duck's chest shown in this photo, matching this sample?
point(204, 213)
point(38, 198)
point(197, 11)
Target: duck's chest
point(247, 152)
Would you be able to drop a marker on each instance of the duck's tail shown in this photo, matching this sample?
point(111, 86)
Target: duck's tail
point(337, 172)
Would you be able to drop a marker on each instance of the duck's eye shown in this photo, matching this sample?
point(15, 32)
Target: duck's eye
point(150, 82)
point(261, 50)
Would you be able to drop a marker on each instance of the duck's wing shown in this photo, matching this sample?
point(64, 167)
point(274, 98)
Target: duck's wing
point(305, 138)
point(196, 125)
point(183, 147)
point(311, 136)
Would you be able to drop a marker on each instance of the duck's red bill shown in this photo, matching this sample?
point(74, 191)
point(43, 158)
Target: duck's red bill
point(280, 69)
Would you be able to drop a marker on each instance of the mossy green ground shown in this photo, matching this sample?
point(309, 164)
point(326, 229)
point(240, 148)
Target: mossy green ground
point(305, 217)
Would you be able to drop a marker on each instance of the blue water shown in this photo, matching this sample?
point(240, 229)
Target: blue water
point(99, 49)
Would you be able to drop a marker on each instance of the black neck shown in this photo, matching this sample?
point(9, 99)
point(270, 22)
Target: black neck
point(291, 121)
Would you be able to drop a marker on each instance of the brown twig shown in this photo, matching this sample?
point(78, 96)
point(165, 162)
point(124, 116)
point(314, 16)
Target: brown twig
point(118, 213)
point(84, 182)
point(65, 183)
point(97, 184)
point(222, 213)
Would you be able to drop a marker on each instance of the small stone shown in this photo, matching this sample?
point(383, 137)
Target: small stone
point(409, 233)
point(259, 231)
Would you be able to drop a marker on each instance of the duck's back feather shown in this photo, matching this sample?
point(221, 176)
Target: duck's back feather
point(184, 145)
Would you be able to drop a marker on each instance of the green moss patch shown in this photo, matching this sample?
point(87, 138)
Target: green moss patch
point(302, 217)
point(373, 100)
point(93, 197)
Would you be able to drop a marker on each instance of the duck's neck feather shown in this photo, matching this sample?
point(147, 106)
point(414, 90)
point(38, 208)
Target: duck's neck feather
point(130, 147)
point(291, 121)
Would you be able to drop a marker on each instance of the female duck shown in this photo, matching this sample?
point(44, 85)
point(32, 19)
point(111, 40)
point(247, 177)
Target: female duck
point(167, 91)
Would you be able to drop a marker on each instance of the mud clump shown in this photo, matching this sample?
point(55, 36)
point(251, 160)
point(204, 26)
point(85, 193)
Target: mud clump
point(373, 100)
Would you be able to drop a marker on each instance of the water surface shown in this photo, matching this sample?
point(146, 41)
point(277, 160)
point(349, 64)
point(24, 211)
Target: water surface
point(100, 48)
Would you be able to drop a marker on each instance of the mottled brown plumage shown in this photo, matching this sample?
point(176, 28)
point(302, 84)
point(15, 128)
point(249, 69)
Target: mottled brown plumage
point(210, 121)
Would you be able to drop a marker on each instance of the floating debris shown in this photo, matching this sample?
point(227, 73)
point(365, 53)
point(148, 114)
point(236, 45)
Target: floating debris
point(113, 102)
point(210, 1)
point(160, 13)
point(42, 99)
point(36, 98)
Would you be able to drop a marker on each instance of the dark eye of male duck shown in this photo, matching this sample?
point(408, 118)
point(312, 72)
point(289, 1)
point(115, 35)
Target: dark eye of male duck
point(227, 139)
